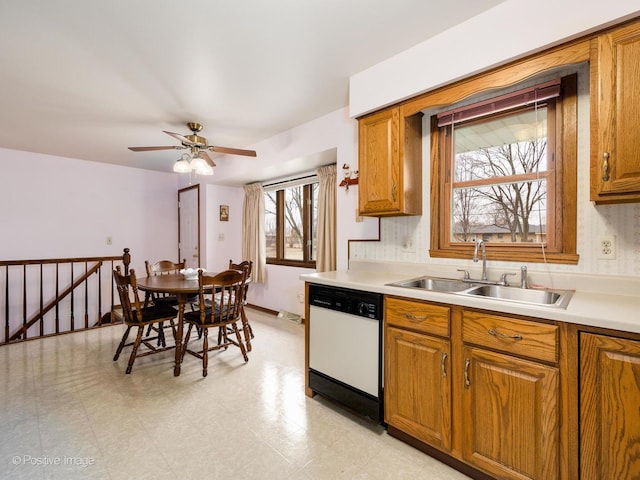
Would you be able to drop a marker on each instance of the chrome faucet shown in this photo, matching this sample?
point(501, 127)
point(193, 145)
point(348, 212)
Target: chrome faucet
point(524, 282)
point(480, 243)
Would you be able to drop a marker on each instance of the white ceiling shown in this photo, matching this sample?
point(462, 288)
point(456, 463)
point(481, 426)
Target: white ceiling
point(87, 79)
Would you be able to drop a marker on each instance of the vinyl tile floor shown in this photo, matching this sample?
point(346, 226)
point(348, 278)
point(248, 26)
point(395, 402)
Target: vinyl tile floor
point(67, 410)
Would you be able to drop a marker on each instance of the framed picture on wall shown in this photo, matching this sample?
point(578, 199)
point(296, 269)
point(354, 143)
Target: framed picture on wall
point(224, 213)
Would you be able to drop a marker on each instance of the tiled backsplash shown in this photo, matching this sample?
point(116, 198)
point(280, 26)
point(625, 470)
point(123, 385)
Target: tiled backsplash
point(406, 239)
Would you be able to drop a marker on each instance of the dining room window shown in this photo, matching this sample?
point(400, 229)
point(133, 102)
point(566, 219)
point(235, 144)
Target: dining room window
point(291, 210)
point(506, 174)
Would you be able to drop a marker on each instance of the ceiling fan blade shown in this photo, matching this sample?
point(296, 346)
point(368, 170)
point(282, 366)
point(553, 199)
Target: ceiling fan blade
point(148, 149)
point(182, 138)
point(233, 151)
point(207, 158)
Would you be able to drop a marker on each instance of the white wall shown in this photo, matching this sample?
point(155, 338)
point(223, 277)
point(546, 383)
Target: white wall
point(501, 34)
point(222, 240)
point(56, 207)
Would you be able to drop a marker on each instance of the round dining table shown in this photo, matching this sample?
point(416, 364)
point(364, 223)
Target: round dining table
point(173, 284)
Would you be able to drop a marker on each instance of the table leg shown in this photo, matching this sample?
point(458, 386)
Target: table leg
point(176, 369)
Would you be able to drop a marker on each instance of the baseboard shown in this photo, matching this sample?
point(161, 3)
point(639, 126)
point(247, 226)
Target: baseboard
point(262, 309)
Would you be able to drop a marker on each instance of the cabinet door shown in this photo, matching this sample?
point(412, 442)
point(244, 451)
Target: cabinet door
point(417, 387)
point(379, 162)
point(609, 407)
point(615, 110)
point(510, 421)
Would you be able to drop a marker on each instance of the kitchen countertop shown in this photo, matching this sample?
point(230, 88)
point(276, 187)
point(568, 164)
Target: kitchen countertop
point(587, 307)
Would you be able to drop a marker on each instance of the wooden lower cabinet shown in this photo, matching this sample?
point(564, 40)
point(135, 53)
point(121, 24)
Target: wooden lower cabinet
point(418, 399)
point(609, 407)
point(510, 424)
point(483, 389)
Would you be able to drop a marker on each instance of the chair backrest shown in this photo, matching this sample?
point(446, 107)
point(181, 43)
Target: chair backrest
point(244, 265)
point(123, 284)
point(248, 264)
point(226, 289)
point(164, 267)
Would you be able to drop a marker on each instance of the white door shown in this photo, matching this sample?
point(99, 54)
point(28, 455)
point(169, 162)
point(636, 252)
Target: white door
point(189, 225)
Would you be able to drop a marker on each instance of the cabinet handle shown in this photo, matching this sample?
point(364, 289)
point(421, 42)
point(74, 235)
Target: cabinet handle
point(467, 382)
point(413, 318)
point(444, 364)
point(394, 192)
point(495, 333)
point(605, 166)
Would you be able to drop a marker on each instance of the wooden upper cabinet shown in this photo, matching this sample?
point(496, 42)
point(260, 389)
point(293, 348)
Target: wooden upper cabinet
point(390, 163)
point(615, 116)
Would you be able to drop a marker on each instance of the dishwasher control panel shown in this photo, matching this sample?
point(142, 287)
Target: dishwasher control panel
point(355, 302)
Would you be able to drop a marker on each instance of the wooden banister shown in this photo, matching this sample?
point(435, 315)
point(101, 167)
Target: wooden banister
point(53, 312)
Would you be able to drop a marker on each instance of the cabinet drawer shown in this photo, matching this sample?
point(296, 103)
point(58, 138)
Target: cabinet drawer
point(423, 317)
point(520, 337)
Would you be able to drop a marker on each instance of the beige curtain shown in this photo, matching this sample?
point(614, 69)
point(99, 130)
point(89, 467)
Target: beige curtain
point(326, 240)
point(253, 239)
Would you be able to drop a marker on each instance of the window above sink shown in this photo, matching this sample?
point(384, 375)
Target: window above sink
point(506, 174)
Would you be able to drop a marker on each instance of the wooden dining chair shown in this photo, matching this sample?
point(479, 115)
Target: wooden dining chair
point(246, 326)
point(163, 267)
point(136, 315)
point(223, 311)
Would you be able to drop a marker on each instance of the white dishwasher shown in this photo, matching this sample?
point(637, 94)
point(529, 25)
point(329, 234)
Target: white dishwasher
point(345, 347)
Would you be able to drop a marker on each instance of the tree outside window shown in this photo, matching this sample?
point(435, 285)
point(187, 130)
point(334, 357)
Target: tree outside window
point(290, 225)
point(499, 190)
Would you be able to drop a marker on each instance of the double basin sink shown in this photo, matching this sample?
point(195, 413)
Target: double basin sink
point(537, 297)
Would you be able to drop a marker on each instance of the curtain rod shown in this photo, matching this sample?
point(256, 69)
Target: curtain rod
point(288, 180)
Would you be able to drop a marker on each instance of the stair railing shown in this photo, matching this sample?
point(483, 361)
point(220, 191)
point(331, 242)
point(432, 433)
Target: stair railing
point(46, 297)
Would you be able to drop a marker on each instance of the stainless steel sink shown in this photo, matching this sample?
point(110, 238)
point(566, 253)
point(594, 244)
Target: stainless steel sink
point(549, 298)
point(433, 284)
point(529, 296)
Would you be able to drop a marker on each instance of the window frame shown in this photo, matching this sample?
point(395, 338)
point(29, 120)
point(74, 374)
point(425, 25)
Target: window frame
point(561, 247)
point(307, 219)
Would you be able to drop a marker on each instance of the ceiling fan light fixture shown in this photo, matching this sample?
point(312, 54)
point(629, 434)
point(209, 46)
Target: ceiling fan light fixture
point(205, 169)
point(182, 165)
point(198, 159)
point(198, 163)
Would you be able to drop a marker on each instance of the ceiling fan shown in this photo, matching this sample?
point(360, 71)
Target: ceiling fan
point(197, 144)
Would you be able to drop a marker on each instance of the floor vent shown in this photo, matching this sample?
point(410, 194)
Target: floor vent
point(292, 317)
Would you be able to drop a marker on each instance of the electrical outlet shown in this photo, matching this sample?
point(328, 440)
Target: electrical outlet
point(607, 247)
point(408, 245)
